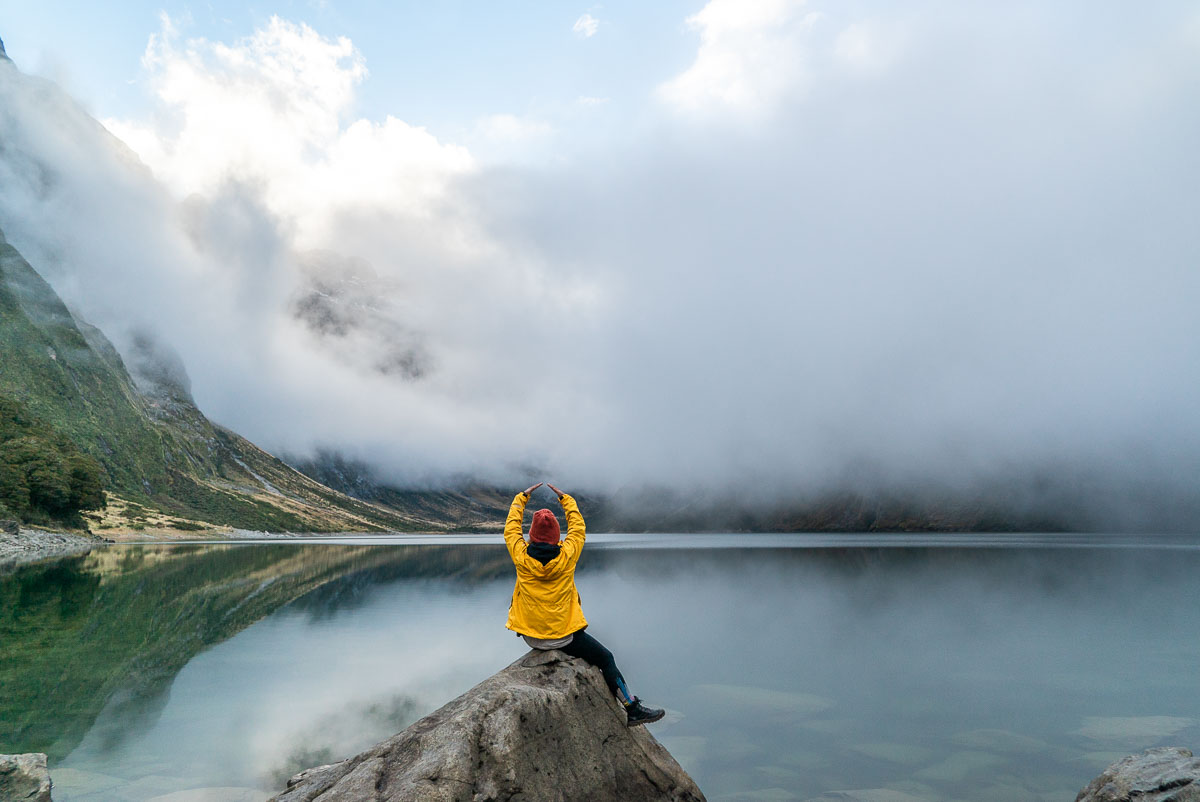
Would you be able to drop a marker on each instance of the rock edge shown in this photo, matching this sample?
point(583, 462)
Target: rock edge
point(31, 545)
point(1165, 774)
point(24, 777)
point(544, 728)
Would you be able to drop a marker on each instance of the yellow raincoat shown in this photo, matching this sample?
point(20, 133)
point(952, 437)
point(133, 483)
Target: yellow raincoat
point(545, 603)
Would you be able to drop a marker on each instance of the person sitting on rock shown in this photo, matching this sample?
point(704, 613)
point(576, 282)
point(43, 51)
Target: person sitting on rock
point(545, 608)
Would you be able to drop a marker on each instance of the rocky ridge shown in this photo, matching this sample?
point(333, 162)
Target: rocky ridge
point(1165, 774)
point(24, 777)
point(543, 728)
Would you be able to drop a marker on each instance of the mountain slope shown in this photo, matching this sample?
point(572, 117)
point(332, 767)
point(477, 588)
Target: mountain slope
point(159, 453)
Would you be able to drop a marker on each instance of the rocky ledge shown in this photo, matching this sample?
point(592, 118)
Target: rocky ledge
point(24, 777)
point(1166, 774)
point(545, 728)
point(21, 545)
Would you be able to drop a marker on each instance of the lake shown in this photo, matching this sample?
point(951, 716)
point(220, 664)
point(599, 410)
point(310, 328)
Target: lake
point(1010, 667)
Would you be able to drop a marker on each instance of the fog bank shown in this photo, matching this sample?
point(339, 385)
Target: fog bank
point(939, 248)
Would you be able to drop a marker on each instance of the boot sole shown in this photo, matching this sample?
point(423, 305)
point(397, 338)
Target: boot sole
point(644, 721)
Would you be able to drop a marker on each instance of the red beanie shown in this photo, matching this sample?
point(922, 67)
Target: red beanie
point(544, 528)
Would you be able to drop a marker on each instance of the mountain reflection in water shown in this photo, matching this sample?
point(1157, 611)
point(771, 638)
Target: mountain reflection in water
point(945, 673)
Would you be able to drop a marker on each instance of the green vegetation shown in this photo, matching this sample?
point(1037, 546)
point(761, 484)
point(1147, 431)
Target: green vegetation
point(96, 430)
point(43, 475)
point(47, 364)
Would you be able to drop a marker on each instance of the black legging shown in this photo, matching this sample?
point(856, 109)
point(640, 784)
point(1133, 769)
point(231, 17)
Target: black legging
point(587, 648)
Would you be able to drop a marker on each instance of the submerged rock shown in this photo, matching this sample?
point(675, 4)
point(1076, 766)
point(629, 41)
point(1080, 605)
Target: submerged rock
point(1137, 732)
point(1166, 774)
point(867, 795)
point(218, 794)
point(545, 728)
point(24, 777)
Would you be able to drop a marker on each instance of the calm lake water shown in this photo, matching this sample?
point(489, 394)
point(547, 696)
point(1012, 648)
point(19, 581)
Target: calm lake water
point(1007, 668)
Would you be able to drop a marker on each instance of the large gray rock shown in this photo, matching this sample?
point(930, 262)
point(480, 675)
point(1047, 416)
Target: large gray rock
point(1166, 774)
point(24, 778)
point(545, 728)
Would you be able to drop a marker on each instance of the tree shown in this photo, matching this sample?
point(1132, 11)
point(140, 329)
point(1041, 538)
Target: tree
point(14, 490)
point(43, 473)
point(87, 487)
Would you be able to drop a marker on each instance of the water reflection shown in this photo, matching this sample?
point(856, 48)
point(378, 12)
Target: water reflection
point(940, 673)
point(111, 629)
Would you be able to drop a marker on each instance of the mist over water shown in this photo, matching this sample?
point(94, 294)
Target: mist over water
point(948, 673)
point(909, 262)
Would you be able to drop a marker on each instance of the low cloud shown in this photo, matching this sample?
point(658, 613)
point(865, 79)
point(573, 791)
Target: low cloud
point(511, 128)
point(967, 266)
point(869, 46)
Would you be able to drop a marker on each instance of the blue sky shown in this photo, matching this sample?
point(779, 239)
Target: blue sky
point(441, 65)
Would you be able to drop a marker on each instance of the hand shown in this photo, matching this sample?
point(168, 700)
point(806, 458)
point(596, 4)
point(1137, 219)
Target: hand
point(529, 492)
point(557, 492)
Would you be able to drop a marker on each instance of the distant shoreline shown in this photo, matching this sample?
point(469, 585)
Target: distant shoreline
point(33, 545)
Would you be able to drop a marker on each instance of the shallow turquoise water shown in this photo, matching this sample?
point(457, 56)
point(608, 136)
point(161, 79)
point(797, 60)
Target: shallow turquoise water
point(791, 666)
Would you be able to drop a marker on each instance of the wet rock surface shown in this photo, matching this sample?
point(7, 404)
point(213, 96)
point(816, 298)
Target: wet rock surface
point(1166, 774)
point(24, 777)
point(543, 728)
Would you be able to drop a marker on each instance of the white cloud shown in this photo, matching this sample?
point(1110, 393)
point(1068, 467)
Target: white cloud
point(306, 265)
point(511, 128)
point(869, 46)
point(751, 54)
point(271, 109)
point(587, 100)
point(586, 26)
point(928, 274)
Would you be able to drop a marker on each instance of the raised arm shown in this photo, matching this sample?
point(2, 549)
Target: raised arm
point(576, 532)
point(516, 522)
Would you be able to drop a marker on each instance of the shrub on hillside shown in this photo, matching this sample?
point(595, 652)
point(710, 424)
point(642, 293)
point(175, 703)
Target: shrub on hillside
point(42, 474)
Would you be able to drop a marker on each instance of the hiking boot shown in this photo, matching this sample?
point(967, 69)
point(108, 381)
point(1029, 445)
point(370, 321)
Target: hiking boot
point(637, 713)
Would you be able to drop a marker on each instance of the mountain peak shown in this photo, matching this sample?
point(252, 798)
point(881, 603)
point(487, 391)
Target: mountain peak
point(3, 55)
